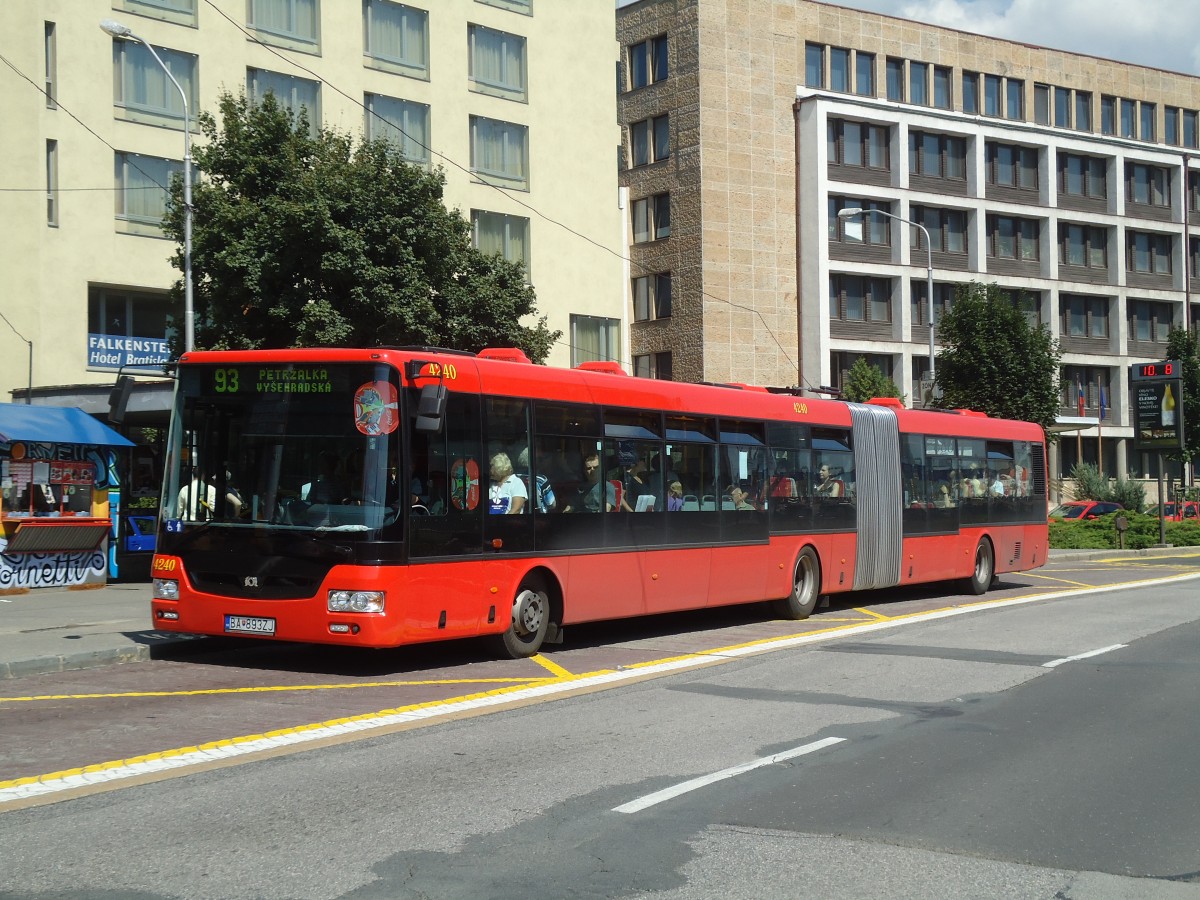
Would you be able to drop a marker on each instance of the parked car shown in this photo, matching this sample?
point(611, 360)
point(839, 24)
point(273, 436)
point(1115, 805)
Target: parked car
point(1186, 509)
point(1078, 510)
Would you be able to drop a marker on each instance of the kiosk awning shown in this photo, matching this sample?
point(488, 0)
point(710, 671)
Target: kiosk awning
point(55, 425)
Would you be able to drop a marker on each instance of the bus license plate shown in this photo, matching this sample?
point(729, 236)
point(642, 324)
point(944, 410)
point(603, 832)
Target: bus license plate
point(249, 625)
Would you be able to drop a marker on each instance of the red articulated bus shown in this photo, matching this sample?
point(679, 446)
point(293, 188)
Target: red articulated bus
point(380, 497)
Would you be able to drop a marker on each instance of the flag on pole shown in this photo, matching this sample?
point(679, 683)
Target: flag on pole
point(1103, 403)
point(1079, 395)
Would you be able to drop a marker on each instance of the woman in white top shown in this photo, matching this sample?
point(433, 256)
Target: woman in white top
point(507, 492)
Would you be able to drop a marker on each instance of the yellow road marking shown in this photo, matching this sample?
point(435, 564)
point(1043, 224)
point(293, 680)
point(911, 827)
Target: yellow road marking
point(1052, 578)
point(872, 613)
point(274, 688)
point(551, 666)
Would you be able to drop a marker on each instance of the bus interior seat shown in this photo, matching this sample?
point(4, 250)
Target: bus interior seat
point(708, 502)
point(690, 503)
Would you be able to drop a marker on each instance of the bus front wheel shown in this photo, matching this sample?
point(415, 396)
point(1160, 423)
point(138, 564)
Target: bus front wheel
point(806, 588)
point(530, 620)
point(985, 568)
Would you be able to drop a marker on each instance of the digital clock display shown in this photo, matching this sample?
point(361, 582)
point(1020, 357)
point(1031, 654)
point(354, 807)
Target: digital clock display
point(1156, 371)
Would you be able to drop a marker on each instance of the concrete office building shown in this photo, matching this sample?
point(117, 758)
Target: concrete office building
point(513, 98)
point(1067, 178)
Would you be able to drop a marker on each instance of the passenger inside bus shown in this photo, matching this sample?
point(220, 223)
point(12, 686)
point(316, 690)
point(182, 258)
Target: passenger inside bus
point(589, 496)
point(675, 497)
point(507, 493)
point(827, 485)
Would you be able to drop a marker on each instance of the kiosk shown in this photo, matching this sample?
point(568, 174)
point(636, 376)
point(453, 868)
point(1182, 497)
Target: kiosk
point(57, 467)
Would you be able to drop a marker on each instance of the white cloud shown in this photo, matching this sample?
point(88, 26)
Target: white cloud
point(1148, 32)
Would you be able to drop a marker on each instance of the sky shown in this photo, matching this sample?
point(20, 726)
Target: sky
point(1160, 33)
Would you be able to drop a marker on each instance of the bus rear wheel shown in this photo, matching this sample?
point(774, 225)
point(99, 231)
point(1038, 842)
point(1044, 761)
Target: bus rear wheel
point(806, 588)
point(985, 568)
point(530, 620)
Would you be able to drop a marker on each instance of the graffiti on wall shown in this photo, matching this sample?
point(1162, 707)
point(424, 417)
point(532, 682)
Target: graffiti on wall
point(42, 570)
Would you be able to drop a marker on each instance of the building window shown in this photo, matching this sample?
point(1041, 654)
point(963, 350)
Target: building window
point(918, 83)
point(814, 65)
point(1193, 193)
point(864, 74)
point(181, 11)
point(1082, 176)
point(1191, 128)
point(866, 229)
point(652, 297)
point(1171, 125)
point(1150, 322)
point(839, 69)
point(895, 80)
point(1147, 119)
point(1092, 379)
point(855, 298)
point(143, 89)
point(648, 62)
point(1108, 115)
point(858, 144)
point(519, 6)
point(943, 299)
point(651, 218)
point(970, 93)
point(51, 66)
point(1062, 107)
point(1147, 253)
point(1083, 245)
point(1012, 166)
point(650, 140)
point(293, 20)
point(293, 94)
point(1015, 97)
point(942, 98)
point(142, 187)
point(1083, 111)
point(500, 152)
point(501, 235)
point(52, 183)
point(1084, 317)
point(397, 35)
point(594, 339)
point(145, 317)
point(1010, 237)
point(1128, 119)
point(841, 361)
point(1147, 185)
point(497, 62)
point(401, 122)
point(653, 365)
point(947, 229)
point(937, 155)
point(1041, 104)
point(992, 85)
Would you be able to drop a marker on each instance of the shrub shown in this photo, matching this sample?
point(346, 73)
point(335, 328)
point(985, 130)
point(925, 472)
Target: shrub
point(1089, 483)
point(1130, 493)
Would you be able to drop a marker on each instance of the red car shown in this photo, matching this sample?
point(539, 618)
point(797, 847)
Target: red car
point(1078, 510)
point(1186, 509)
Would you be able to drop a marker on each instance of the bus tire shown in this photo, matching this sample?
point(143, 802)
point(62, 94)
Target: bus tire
point(806, 588)
point(985, 568)
point(530, 620)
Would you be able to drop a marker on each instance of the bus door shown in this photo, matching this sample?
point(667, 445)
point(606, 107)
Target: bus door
point(878, 496)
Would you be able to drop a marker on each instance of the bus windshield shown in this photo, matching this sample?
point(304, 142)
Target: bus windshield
point(309, 447)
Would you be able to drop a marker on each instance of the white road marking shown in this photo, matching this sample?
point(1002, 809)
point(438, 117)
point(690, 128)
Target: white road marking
point(1055, 663)
point(696, 783)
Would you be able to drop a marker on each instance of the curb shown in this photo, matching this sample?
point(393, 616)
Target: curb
point(94, 659)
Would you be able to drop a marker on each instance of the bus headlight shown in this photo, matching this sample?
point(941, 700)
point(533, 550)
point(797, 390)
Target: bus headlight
point(356, 601)
point(166, 589)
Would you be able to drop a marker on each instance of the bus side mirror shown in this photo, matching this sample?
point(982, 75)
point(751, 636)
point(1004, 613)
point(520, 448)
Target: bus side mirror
point(431, 409)
point(118, 399)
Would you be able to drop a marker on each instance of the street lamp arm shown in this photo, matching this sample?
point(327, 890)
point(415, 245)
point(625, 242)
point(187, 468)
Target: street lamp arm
point(854, 212)
point(125, 33)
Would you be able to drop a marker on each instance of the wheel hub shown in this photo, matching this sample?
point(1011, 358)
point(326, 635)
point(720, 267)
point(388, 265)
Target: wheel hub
point(529, 609)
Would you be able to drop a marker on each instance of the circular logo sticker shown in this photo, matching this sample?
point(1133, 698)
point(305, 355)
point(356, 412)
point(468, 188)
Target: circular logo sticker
point(375, 408)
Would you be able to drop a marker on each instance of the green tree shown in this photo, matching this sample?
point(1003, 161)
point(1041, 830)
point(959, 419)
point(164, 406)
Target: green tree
point(320, 240)
point(866, 380)
point(1182, 346)
point(994, 361)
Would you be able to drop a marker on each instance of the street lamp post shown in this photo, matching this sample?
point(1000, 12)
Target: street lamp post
point(854, 212)
point(124, 32)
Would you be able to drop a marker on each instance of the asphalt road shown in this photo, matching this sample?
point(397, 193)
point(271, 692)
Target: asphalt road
point(1043, 749)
